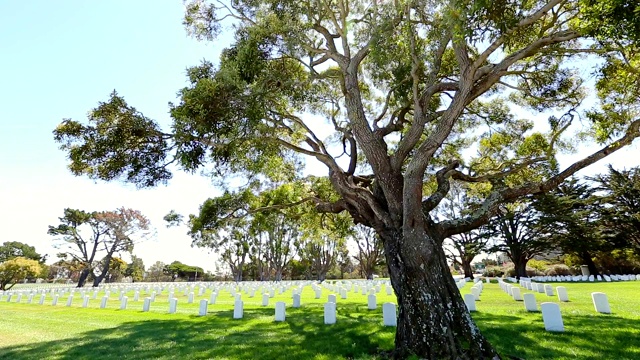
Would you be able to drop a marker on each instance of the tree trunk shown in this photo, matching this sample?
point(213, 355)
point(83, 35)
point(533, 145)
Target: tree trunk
point(105, 270)
point(520, 267)
point(83, 277)
point(433, 320)
point(593, 270)
point(466, 267)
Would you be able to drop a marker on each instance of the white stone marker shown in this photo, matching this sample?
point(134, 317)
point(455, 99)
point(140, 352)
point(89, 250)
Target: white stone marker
point(204, 303)
point(318, 293)
point(476, 292)
point(30, 298)
point(515, 293)
point(147, 304)
point(332, 298)
point(562, 293)
point(540, 287)
point(600, 302)
point(330, 313)
point(238, 309)
point(551, 317)
point(42, 297)
point(238, 297)
point(548, 289)
point(54, 302)
point(296, 300)
point(69, 300)
point(190, 301)
point(136, 296)
point(389, 317)
point(470, 301)
point(103, 303)
point(389, 290)
point(280, 311)
point(173, 305)
point(212, 299)
point(530, 302)
point(85, 301)
point(265, 299)
point(19, 298)
point(123, 303)
point(371, 302)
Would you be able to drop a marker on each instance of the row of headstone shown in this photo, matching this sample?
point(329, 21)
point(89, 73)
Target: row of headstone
point(470, 299)
point(590, 278)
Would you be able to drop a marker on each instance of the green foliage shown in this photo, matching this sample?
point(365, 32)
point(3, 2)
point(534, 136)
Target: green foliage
point(135, 269)
point(17, 269)
point(14, 249)
point(179, 270)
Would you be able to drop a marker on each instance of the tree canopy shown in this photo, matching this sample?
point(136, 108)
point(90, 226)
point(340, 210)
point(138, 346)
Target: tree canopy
point(416, 95)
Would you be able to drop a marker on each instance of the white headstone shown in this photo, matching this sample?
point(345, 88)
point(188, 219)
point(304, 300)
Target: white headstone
point(204, 303)
point(265, 299)
point(147, 304)
point(515, 293)
point(600, 302)
point(551, 317)
point(238, 309)
point(280, 311)
point(476, 292)
point(123, 303)
point(136, 296)
point(318, 293)
point(470, 301)
point(389, 317)
point(173, 305)
point(85, 301)
point(103, 302)
point(389, 290)
point(548, 289)
point(330, 313)
point(30, 298)
point(42, 297)
point(371, 302)
point(190, 299)
point(592, 278)
point(19, 298)
point(607, 278)
point(332, 298)
point(212, 299)
point(562, 293)
point(530, 302)
point(296, 300)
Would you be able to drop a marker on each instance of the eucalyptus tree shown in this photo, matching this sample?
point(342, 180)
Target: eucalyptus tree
point(405, 87)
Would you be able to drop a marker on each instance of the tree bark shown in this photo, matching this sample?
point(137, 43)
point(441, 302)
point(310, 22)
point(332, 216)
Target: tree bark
point(520, 266)
point(83, 277)
point(105, 270)
point(466, 267)
point(433, 320)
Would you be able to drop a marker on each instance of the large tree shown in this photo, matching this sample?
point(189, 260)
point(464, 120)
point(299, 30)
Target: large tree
point(17, 269)
point(405, 86)
point(84, 235)
point(14, 249)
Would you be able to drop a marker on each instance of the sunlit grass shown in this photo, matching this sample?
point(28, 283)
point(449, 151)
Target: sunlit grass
point(32, 331)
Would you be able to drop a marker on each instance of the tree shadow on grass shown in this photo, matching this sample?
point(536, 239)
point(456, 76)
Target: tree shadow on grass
point(585, 337)
point(218, 336)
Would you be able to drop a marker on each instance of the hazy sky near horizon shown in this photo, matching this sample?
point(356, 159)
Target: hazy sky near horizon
point(58, 59)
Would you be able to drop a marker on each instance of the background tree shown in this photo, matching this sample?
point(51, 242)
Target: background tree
point(183, 271)
point(81, 248)
point(570, 220)
point(406, 87)
point(620, 214)
point(135, 269)
point(517, 232)
point(111, 232)
point(370, 255)
point(14, 249)
point(156, 272)
point(463, 247)
point(17, 269)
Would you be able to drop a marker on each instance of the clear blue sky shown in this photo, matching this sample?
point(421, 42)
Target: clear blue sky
point(58, 59)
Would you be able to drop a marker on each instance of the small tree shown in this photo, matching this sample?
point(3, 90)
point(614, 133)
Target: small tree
point(14, 249)
point(135, 269)
point(156, 272)
point(17, 269)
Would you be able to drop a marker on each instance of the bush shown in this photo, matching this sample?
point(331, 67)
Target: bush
point(493, 271)
point(558, 269)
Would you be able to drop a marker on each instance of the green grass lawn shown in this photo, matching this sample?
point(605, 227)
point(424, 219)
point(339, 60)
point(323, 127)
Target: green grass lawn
point(32, 331)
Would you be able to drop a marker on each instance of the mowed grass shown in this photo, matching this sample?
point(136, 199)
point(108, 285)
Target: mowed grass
point(32, 331)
